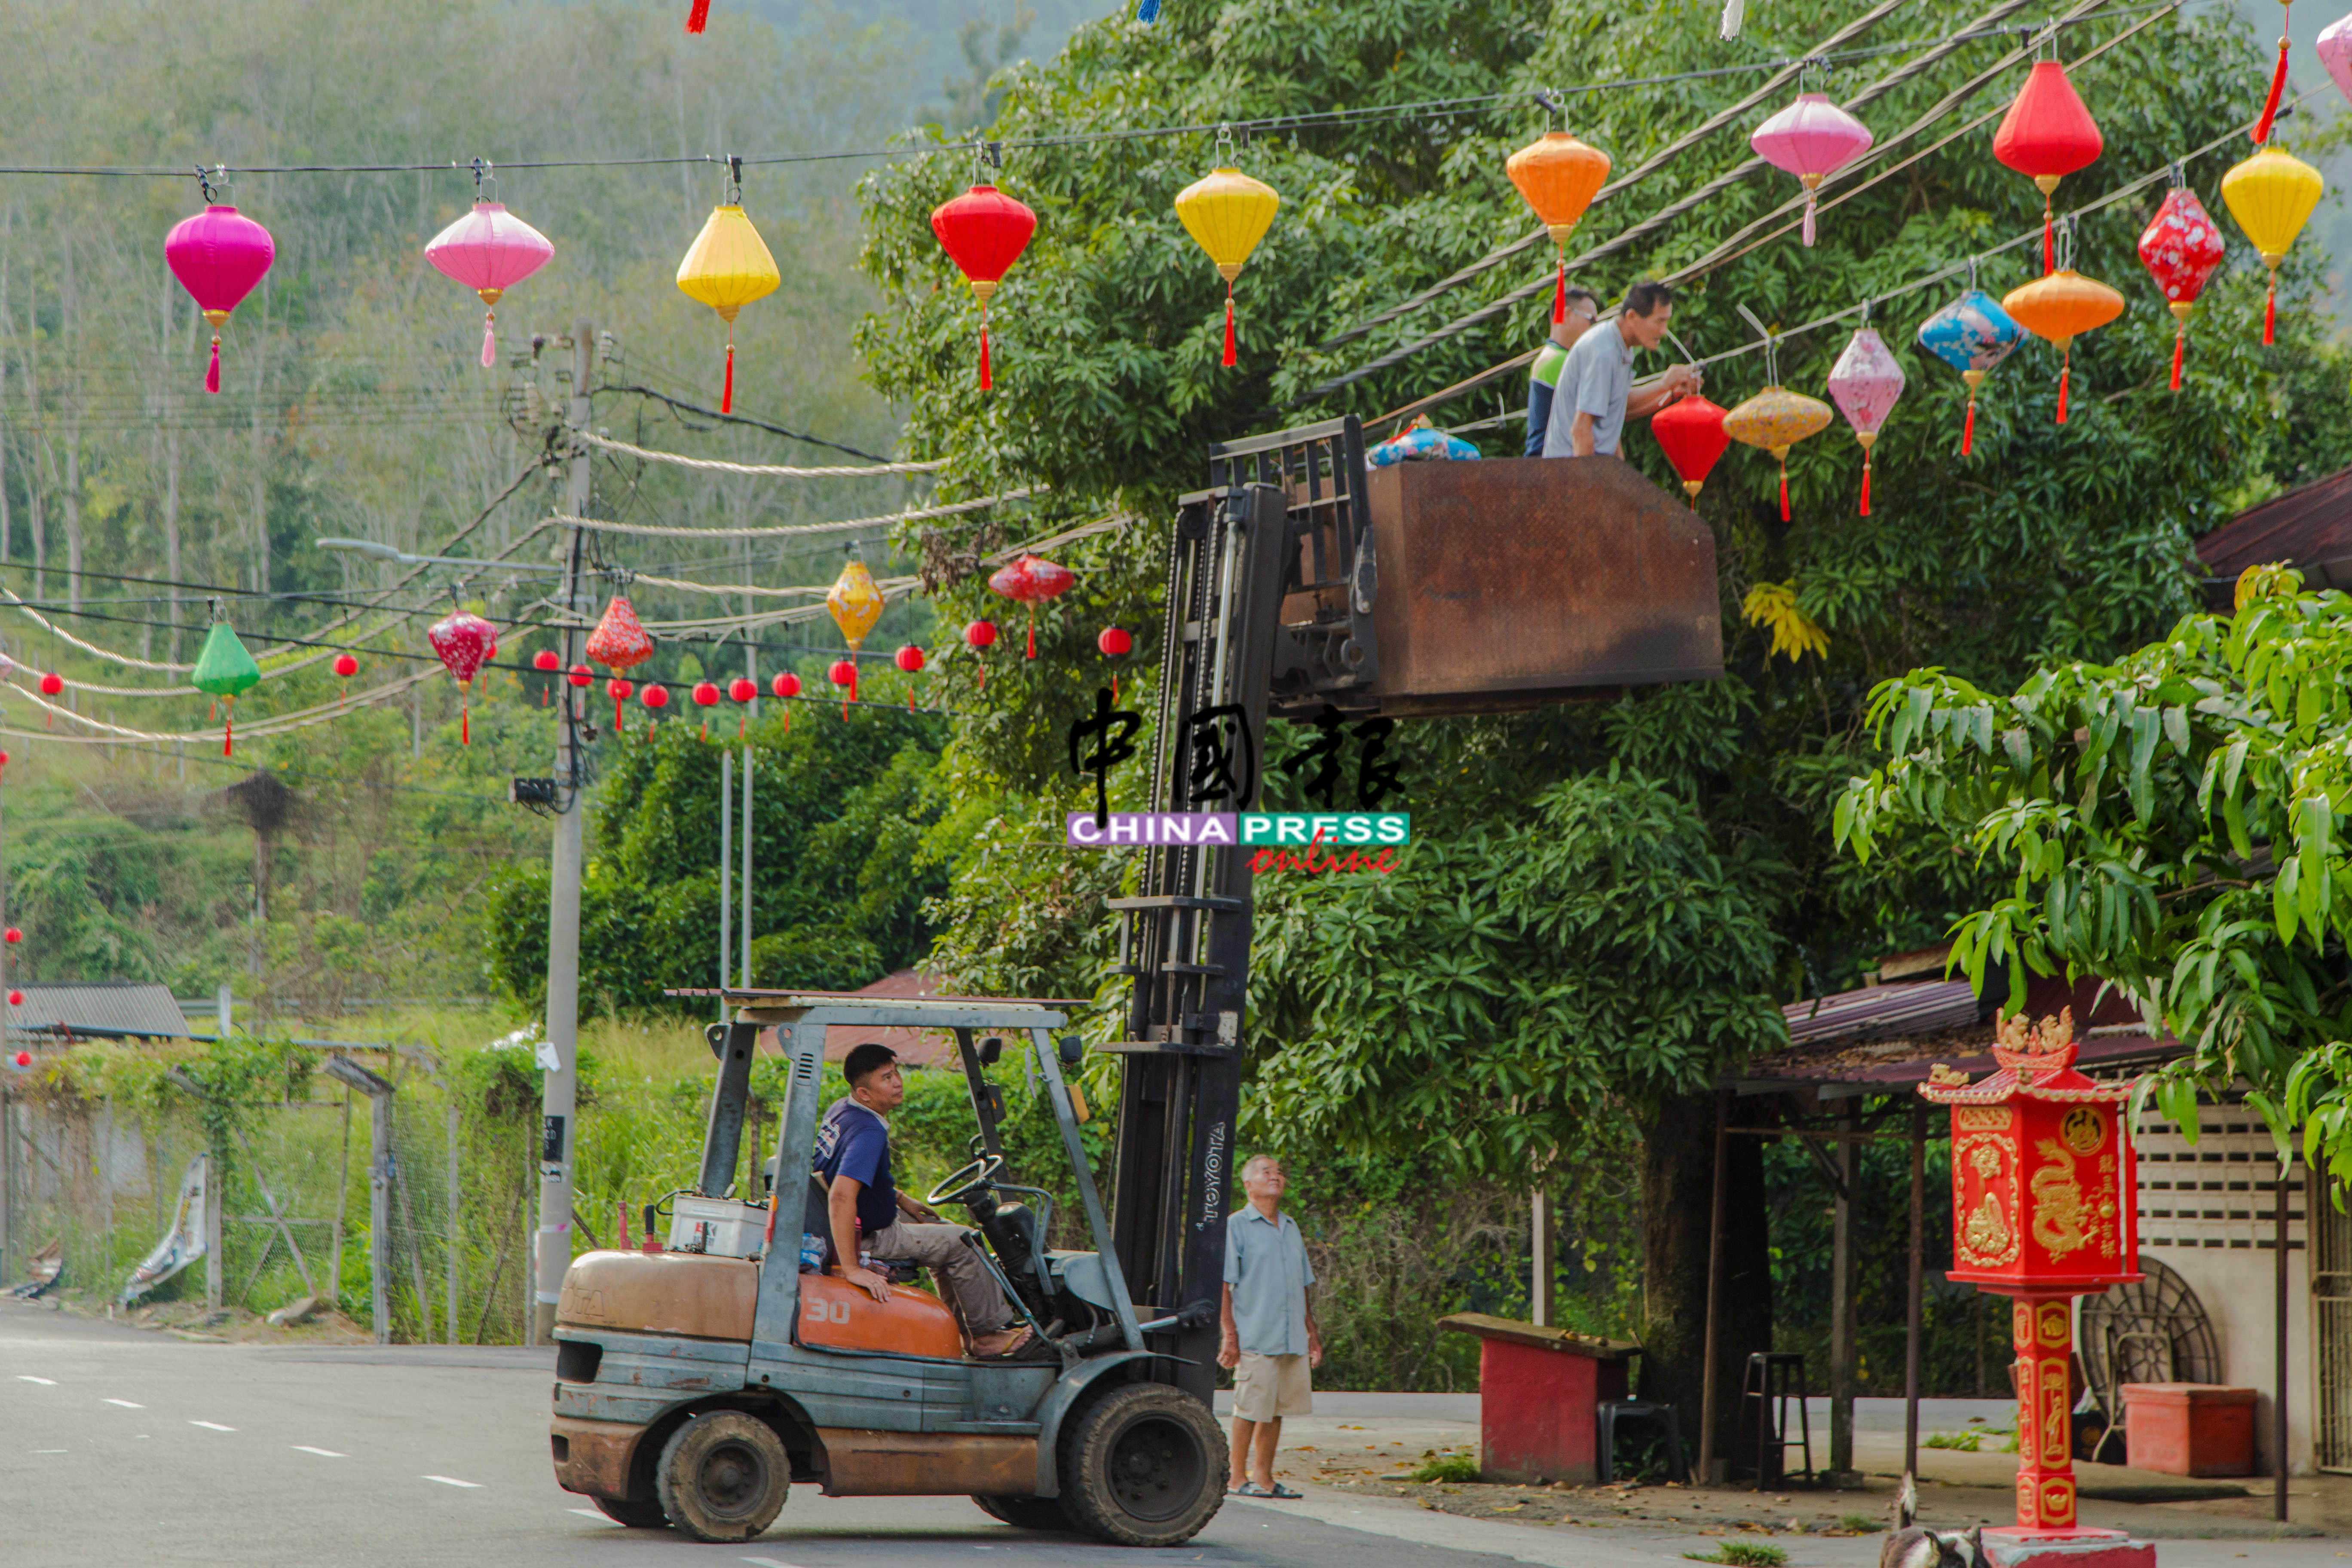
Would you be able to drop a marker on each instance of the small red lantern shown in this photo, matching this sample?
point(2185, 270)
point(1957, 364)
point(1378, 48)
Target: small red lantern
point(24, 1059)
point(2044, 1208)
point(743, 690)
point(983, 231)
point(704, 695)
point(1031, 582)
point(618, 691)
point(1114, 642)
point(52, 683)
point(844, 674)
point(786, 685)
point(346, 666)
point(655, 696)
point(2180, 247)
point(579, 675)
point(910, 659)
point(16, 998)
point(1692, 434)
point(465, 642)
point(977, 635)
point(2048, 134)
point(545, 659)
point(12, 936)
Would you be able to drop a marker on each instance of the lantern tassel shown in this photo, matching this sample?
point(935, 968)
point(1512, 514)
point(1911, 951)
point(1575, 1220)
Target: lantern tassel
point(986, 382)
point(1229, 324)
point(2271, 104)
point(1968, 429)
point(726, 394)
point(1865, 484)
point(616, 715)
point(853, 691)
point(228, 735)
point(465, 725)
point(2065, 369)
point(212, 372)
point(699, 17)
point(2049, 239)
point(1033, 634)
point(2180, 342)
point(1560, 290)
point(1810, 202)
point(2270, 310)
point(1784, 490)
point(489, 339)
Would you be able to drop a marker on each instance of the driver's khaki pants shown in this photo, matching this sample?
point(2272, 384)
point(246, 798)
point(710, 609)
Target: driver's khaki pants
point(939, 1248)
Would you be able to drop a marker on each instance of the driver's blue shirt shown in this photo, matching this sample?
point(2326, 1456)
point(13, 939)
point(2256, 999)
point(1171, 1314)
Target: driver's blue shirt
point(855, 1143)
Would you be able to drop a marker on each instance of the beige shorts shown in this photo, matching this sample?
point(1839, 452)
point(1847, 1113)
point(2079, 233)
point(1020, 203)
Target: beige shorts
point(1269, 1388)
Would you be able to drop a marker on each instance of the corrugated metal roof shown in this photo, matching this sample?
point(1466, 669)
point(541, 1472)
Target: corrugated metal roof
point(1877, 1011)
point(125, 1006)
point(2309, 528)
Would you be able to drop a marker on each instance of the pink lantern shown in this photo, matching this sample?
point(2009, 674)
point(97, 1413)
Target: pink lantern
point(489, 251)
point(218, 256)
point(1864, 383)
point(1811, 139)
point(2336, 53)
point(465, 642)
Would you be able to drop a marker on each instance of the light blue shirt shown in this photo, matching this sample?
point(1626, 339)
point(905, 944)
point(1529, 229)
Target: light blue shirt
point(1597, 380)
point(1265, 1263)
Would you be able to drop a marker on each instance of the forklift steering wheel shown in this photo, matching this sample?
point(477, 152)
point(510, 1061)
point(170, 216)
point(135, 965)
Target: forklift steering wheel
point(966, 1183)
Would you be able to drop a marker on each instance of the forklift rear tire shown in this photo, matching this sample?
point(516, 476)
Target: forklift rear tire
point(723, 1477)
point(1143, 1466)
point(1026, 1513)
point(637, 1513)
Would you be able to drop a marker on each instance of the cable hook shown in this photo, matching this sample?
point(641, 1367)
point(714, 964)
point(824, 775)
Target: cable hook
point(734, 179)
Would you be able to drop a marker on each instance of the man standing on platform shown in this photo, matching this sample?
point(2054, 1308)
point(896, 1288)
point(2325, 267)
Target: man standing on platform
point(1544, 378)
point(1269, 1336)
point(1596, 385)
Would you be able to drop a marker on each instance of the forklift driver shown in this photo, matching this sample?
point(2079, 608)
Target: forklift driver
point(866, 1212)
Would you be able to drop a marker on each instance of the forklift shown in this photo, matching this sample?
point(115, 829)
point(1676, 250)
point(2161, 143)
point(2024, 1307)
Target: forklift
point(695, 1384)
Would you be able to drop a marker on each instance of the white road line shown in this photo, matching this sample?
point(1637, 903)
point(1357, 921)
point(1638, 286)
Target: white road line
point(452, 1481)
point(126, 1404)
point(45, 1450)
point(44, 1381)
point(213, 1425)
point(770, 1563)
point(322, 1453)
point(592, 1513)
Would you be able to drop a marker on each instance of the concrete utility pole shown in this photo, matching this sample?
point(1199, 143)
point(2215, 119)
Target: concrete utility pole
point(562, 1082)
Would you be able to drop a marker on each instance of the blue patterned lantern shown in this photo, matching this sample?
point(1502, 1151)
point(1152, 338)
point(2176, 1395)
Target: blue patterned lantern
point(1972, 334)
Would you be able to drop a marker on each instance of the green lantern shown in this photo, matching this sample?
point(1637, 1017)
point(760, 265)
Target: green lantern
point(225, 670)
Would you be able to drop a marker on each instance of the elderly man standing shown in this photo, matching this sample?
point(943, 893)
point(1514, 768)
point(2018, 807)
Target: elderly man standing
point(1596, 383)
point(1269, 1336)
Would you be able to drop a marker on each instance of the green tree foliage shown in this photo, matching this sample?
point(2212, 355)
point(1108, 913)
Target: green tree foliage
point(840, 809)
point(2172, 823)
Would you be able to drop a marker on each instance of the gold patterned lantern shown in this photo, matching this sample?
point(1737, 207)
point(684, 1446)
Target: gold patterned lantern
point(856, 604)
point(1777, 419)
point(2043, 1209)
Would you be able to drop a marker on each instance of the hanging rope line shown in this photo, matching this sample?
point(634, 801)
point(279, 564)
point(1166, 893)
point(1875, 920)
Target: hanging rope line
point(301, 719)
point(758, 470)
point(1738, 172)
point(788, 529)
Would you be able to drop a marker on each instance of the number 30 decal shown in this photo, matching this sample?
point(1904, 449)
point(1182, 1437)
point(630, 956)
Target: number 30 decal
point(827, 1311)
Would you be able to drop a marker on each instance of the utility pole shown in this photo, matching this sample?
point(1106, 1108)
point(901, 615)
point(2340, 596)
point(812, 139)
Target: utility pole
point(726, 795)
point(561, 1083)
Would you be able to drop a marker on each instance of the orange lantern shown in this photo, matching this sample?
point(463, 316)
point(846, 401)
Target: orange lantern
point(2060, 308)
point(2043, 1209)
point(1558, 176)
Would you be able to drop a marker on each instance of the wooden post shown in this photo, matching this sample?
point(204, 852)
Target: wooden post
point(1540, 1282)
point(1912, 1315)
point(450, 1219)
point(1842, 1288)
point(212, 1232)
point(7, 1169)
point(379, 1215)
point(1711, 1349)
point(2278, 1381)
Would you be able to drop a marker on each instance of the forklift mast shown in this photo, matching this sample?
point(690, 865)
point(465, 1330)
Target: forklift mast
point(1238, 549)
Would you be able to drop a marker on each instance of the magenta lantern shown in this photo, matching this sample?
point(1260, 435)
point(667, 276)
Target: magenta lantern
point(1811, 139)
point(489, 251)
point(1864, 383)
point(218, 256)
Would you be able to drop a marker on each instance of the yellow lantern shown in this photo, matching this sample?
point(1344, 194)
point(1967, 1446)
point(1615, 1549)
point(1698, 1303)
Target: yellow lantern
point(1227, 213)
point(1777, 419)
point(1558, 176)
point(727, 269)
point(2061, 308)
point(854, 604)
point(2271, 194)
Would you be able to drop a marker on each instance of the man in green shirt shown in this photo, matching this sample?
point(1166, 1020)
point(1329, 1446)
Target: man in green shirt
point(1582, 306)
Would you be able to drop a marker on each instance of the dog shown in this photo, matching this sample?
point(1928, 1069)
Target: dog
point(1922, 1548)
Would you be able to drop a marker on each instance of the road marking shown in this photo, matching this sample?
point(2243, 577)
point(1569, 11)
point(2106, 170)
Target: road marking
point(768, 1563)
point(126, 1404)
point(214, 1425)
point(44, 1381)
point(453, 1482)
point(322, 1453)
point(592, 1513)
point(45, 1450)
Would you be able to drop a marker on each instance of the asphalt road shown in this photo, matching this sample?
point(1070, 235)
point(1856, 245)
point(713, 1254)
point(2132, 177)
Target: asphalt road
point(120, 1446)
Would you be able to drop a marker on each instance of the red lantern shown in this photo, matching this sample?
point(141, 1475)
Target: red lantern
point(24, 1059)
point(983, 231)
point(465, 642)
point(579, 675)
point(16, 998)
point(2047, 134)
point(743, 690)
point(910, 659)
point(704, 695)
point(52, 683)
point(618, 691)
point(1114, 642)
point(1691, 432)
point(1031, 580)
point(12, 936)
point(346, 666)
point(2180, 247)
point(545, 659)
point(619, 641)
point(2044, 1208)
point(979, 635)
point(844, 674)
point(786, 685)
point(655, 696)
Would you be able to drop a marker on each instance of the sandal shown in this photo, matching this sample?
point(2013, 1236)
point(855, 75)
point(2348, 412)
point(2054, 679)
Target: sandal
point(1025, 1341)
point(1251, 1489)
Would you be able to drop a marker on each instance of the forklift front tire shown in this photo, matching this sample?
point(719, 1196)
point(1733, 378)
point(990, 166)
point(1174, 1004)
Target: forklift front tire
point(723, 1477)
point(1143, 1466)
point(1026, 1513)
point(637, 1514)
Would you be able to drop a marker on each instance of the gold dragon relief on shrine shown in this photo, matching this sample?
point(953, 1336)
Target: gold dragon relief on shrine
point(2065, 1219)
point(1987, 1231)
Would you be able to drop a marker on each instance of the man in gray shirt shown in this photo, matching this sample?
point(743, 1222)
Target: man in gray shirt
point(1268, 1336)
point(1596, 385)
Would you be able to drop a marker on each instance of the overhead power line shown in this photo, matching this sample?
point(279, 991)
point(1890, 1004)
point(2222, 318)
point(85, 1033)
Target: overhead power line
point(758, 470)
